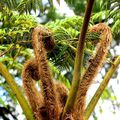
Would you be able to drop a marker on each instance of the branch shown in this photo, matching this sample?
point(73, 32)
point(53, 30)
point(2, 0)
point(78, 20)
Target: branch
point(78, 62)
point(6, 51)
point(101, 88)
point(21, 99)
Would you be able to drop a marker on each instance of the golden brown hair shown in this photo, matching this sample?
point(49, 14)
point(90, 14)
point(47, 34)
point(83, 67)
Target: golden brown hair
point(48, 104)
point(92, 70)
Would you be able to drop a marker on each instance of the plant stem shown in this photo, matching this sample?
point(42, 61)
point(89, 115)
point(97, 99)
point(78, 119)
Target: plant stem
point(18, 94)
point(78, 62)
point(101, 88)
point(72, 47)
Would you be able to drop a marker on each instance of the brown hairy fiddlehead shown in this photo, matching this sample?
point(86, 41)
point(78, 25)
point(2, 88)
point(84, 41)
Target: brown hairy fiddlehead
point(49, 102)
point(48, 87)
point(29, 74)
point(92, 70)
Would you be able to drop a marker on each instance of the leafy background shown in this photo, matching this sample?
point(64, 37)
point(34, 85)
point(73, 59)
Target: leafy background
point(18, 17)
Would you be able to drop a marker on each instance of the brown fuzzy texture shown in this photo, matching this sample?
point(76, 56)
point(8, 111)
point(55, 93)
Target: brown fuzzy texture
point(29, 76)
point(29, 73)
point(62, 94)
point(48, 87)
point(48, 104)
point(93, 68)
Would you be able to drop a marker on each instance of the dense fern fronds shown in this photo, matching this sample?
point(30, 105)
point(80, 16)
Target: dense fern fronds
point(112, 10)
point(115, 9)
point(28, 5)
point(64, 32)
point(67, 29)
point(57, 75)
point(74, 22)
point(116, 30)
point(10, 4)
point(23, 6)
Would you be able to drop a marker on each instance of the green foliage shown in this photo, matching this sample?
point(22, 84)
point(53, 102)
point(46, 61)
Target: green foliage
point(12, 19)
point(2, 103)
point(59, 76)
point(115, 11)
point(10, 4)
point(25, 5)
point(46, 9)
point(28, 5)
point(10, 93)
point(78, 6)
point(100, 16)
point(15, 34)
point(74, 22)
point(65, 33)
point(15, 27)
point(116, 30)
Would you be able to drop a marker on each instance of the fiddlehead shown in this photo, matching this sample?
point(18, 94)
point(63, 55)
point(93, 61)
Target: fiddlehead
point(46, 103)
point(29, 74)
point(54, 96)
point(48, 87)
point(88, 77)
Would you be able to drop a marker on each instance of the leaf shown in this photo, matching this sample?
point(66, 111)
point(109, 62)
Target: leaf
point(58, 2)
point(116, 30)
point(34, 2)
point(58, 76)
point(7, 88)
point(51, 2)
point(40, 4)
point(3, 103)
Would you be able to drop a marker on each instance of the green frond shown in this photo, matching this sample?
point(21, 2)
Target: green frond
point(65, 34)
point(62, 56)
point(57, 75)
point(74, 22)
point(51, 2)
point(28, 5)
point(100, 16)
point(11, 4)
point(9, 91)
point(3, 103)
point(112, 11)
point(116, 30)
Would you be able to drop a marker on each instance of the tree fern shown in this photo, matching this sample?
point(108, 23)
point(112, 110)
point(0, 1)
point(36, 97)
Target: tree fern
point(11, 4)
point(28, 5)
